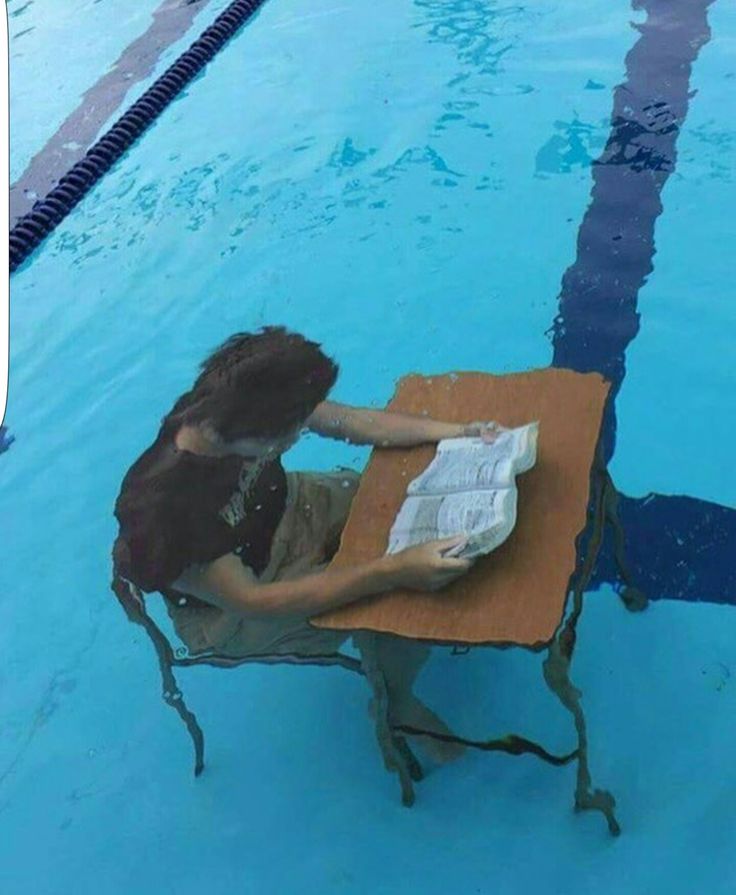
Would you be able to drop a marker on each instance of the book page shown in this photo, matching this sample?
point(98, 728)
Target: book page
point(469, 489)
point(476, 467)
point(470, 464)
point(430, 518)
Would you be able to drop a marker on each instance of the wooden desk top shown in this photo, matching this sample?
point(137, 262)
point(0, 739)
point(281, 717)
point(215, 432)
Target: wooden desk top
point(517, 594)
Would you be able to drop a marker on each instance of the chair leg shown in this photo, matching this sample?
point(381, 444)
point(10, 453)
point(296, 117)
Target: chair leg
point(632, 598)
point(396, 753)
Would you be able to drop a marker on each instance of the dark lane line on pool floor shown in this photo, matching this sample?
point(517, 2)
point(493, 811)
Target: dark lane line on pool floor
point(678, 547)
point(171, 21)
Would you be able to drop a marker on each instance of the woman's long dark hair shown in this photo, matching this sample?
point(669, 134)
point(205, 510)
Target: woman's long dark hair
point(258, 385)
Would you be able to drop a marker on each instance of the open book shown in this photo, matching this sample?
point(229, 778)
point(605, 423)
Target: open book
point(469, 488)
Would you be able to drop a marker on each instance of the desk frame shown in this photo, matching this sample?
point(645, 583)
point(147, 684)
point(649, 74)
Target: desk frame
point(397, 755)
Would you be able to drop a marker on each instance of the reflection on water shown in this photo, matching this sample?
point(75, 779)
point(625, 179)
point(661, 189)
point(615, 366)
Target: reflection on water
point(259, 187)
point(473, 27)
point(575, 145)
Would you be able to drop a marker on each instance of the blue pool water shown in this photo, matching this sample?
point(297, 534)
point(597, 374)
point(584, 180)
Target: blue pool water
point(405, 182)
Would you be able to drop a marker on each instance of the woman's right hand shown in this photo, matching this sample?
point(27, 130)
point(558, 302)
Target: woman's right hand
point(427, 567)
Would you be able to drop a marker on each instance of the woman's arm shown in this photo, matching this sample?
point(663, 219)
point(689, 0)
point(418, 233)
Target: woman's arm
point(361, 425)
point(229, 584)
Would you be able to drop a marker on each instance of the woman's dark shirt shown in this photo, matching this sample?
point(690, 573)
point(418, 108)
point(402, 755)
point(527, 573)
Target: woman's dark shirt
point(177, 508)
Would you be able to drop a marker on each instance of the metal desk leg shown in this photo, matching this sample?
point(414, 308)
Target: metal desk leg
point(557, 664)
point(633, 599)
point(556, 674)
point(396, 753)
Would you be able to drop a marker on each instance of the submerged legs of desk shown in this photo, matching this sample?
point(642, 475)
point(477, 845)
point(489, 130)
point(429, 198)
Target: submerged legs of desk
point(397, 755)
point(634, 599)
point(556, 674)
point(557, 664)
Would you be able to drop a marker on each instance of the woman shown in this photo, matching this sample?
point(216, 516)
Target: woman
point(241, 549)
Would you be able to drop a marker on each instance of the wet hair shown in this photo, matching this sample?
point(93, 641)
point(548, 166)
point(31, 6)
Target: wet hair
point(259, 385)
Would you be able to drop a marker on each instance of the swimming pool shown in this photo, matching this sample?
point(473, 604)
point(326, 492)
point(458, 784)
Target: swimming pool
point(407, 183)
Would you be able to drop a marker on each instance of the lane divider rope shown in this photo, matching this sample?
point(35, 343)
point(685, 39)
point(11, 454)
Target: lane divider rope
point(47, 213)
